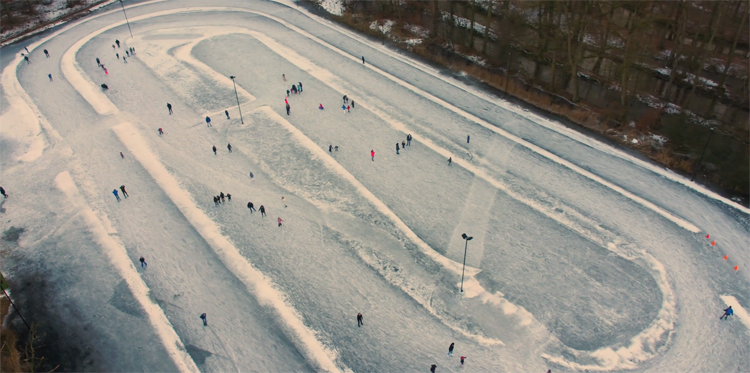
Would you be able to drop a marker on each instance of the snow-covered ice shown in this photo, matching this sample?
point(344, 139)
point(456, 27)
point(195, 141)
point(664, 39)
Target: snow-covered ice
point(583, 257)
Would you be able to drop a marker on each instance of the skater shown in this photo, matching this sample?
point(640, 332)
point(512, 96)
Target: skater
point(330, 148)
point(124, 59)
point(251, 175)
point(359, 320)
point(221, 196)
point(98, 63)
point(124, 192)
point(300, 86)
point(203, 316)
point(468, 138)
point(727, 312)
point(105, 87)
point(286, 101)
point(229, 146)
point(450, 161)
point(283, 76)
point(336, 148)
point(229, 197)
point(287, 93)
point(50, 77)
point(113, 47)
point(46, 53)
point(372, 155)
point(347, 109)
point(352, 104)
point(262, 211)
point(464, 358)
point(450, 349)
point(343, 107)
point(214, 149)
point(143, 262)
point(397, 148)
point(408, 140)
point(283, 202)
point(280, 221)
point(345, 99)
point(122, 155)
point(287, 109)
point(114, 191)
point(433, 366)
point(226, 112)
point(169, 107)
point(127, 53)
point(208, 121)
point(403, 144)
point(2, 191)
point(216, 200)
point(27, 49)
point(320, 107)
point(363, 62)
point(117, 55)
point(161, 131)
point(27, 60)
point(251, 207)
point(118, 43)
point(106, 72)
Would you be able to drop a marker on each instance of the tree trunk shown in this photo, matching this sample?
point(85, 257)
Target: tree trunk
point(471, 28)
point(487, 27)
point(674, 58)
point(712, 27)
point(603, 44)
point(728, 64)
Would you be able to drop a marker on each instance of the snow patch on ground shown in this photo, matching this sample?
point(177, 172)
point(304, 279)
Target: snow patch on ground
point(384, 26)
point(333, 6)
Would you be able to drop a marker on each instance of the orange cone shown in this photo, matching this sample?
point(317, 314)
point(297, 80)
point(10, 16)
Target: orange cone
point(725, 257)
point(713, 243)
point(736, 267)
point(708, 235)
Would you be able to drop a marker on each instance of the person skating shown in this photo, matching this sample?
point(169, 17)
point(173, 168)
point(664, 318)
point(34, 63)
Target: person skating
point(251, 207)
point(122, 155)
point(432, 368)
point(2, 191)
point(106, 72)
point(330, 148)
point(347, 109)
point(408, 140)
point(27, 60)
point(117, 55)
point(727, 312)
point(229, 146)
point(124, 59)
point(98, 63)
point(283, 76)
point(118, 43)
point(161, 131)
point(226, 112)
point(286, 101)
point(352, 104)
point(169, 107)
point(320, 107)
point(280, 221)
point(208, 121)
point(27, 49)
point(450, 349)
point(124, 192)
point(229, 197)
point(468, 138)
point(50, 77)
point(300, 86)
point(363, 60)
point(216, 200)
point(359, 320)
point(287, 93)
point(221, 195)
point(114, 191)
point(336, 148)
point(397, 148)
point(462, 360)
point(343, 107)
point(372, 155)
point(46, 53)
point(403, 144)
point(214, 149)
point(203, 316)
point(262, 211)
point(127, 53)
point(106, 87)
point(287, 109)
point(143, 262)
point(450, 161)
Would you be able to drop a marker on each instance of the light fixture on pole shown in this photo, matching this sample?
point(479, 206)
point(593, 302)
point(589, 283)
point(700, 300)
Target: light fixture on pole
point(126, 18)
point(466, 246)
point(238, 98)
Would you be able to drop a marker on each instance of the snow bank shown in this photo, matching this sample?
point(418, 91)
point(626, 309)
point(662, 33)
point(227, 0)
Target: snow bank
point(740, 312)
point(264, 290)
point(119, 259)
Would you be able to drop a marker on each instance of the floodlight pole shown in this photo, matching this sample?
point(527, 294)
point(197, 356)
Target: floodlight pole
point(126, 18)
point(466, 246)
point(238, 98)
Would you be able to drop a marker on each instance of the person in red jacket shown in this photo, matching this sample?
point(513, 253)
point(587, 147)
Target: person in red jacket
point(372, 154)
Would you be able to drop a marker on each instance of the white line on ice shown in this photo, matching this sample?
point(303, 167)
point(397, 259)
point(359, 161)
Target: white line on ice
point(118, 257)
point(535, 118)
point(740, 312)
point(264, 290)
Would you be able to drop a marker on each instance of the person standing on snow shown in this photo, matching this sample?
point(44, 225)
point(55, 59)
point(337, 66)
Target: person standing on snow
point(403, 144)
point(214, 149)
point(221, 195)
point(229, 146)
point(468, 138)
point(343, 107)
point(372, 155)
point(216, 200)
point(229, 197)
point(117, 55)
point(397, 148)
point(203, 317)
point(46, 53)
point(169, 107)
point(330, 148)
point(161, 131)
point(287, 109)
point(50, 77)
point(262, 211)
point(727, 312)
point(124, 192)
point(352, 104)
point(114, 191)
point(251, 207)
point(320, 107)
point(98, 63)
point(433, 366)
point(359, 320)
point(300, 86)
point(118, 43)
point(280, 221)
point(450, 349)
point(363, 62)
point(124, 59)
point(122, 155)
point(226, 112)
point(27, 60)
point(450, 161)
point(462, 360)
point(408, 138)
point(2, 191)
point(208, 121)
point(347, 109)
point(143, 262)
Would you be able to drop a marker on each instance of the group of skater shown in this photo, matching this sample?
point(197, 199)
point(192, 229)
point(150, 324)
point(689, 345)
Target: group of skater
point(404, 143)
point(122, 189)
point(218, 200)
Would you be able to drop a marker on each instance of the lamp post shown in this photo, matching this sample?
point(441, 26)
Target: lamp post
point(238, 98)
point(466, 246)
point(126, 18)
point(700, 160)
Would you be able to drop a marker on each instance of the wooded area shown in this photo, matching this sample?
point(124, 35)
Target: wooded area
point(657, 76)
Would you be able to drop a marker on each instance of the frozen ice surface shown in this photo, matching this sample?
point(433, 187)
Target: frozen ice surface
point(565, 271)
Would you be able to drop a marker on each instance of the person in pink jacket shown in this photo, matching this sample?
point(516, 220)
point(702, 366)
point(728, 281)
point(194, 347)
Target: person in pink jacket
point(372, 154)
point(280, 221)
